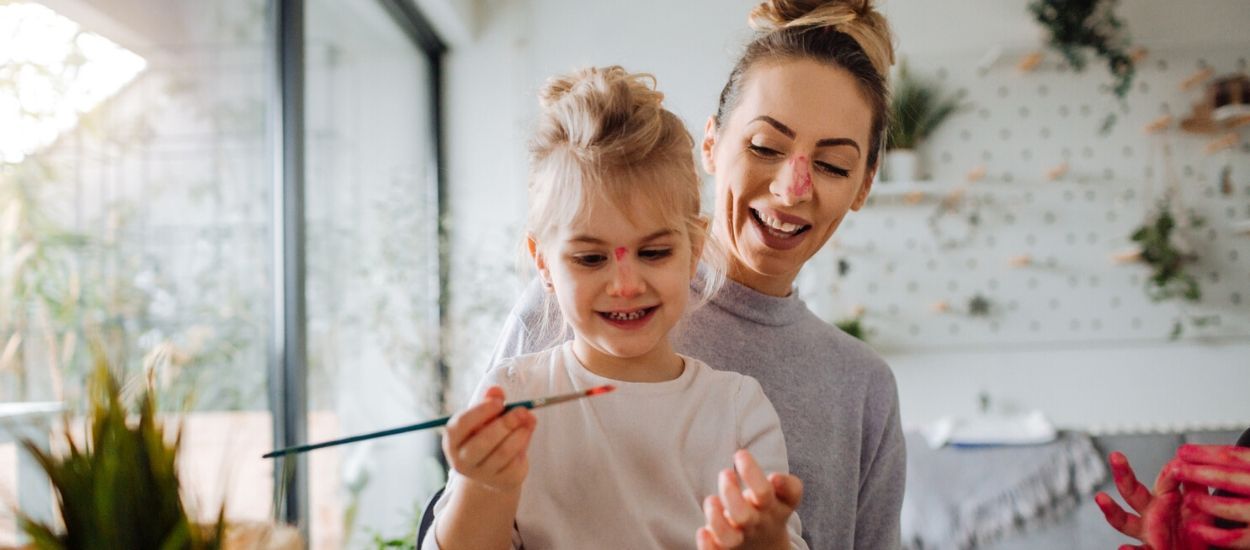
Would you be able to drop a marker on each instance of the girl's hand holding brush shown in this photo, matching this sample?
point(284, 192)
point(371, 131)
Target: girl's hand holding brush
point(487, 445)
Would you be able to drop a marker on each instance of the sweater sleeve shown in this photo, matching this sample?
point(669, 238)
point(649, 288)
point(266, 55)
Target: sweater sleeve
point(759, 432)
point(883, 470)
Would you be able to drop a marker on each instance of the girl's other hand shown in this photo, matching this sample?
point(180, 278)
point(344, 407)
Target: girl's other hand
point(755, 517)
point(488, 446)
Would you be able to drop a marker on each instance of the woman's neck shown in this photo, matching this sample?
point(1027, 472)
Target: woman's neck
point(661, 364)
point(772, 285)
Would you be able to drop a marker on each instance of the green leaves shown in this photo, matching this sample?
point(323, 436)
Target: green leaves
point(1168, 279)
point(917, 108)
point(121, 490)
point(1076, 26)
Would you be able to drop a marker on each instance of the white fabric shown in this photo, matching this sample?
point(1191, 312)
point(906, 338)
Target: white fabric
point(630, 469)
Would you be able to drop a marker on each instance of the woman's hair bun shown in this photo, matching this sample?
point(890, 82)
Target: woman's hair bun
point(775, 14)
point(856, 18)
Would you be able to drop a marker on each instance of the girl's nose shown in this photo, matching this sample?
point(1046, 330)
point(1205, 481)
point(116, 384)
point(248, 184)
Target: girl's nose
point(793, 184)
point(626, 283)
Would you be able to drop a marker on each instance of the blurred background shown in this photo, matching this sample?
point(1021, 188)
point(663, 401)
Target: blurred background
point(301, 219)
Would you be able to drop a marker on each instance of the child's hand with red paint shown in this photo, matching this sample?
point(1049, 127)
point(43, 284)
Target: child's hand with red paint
point(755, 517)
point(1221, 519)
point(488, 446)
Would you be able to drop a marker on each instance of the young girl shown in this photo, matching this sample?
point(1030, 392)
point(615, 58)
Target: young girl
point(615, 233)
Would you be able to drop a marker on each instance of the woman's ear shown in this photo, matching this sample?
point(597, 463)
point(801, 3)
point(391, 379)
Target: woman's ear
point(540, 261)
point(698, 239)
point(862, 196)
point(709, 146)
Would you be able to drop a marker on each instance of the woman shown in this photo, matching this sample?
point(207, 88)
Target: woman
point(793, 146)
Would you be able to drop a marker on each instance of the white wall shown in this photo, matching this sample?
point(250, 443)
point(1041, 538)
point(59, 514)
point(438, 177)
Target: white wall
point(1092, 382)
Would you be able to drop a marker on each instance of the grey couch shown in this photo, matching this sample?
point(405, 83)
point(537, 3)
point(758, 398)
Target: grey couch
point(1085, 527)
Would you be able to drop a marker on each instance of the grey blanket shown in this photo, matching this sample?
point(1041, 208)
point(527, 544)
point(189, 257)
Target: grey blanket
point(959, 498)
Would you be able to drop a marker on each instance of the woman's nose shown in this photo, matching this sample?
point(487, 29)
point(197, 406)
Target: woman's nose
point(793, 184)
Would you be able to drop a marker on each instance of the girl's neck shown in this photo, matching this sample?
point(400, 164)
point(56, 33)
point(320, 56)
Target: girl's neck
point(661, 364)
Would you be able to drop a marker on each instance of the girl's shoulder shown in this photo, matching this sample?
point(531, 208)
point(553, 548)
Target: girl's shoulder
point(722, 381)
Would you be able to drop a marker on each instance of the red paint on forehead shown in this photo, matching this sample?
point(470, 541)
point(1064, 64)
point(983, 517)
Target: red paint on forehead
point(621, 252)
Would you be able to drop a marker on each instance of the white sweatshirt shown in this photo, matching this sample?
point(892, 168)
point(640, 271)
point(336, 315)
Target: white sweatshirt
point(630, 469)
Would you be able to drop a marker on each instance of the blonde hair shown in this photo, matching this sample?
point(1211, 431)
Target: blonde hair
point(850, 34)
point(603, 133)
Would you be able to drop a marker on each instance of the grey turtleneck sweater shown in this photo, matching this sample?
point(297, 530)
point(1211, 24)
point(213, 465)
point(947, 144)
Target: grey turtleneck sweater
point(836, 398)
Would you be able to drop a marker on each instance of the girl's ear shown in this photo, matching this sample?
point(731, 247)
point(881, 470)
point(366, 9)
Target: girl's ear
point(540, 261)
point(708, 146)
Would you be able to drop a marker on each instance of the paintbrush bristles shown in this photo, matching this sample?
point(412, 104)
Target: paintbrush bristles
point(545, 401)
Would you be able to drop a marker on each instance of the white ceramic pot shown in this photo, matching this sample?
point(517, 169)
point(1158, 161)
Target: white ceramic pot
point(902, 165)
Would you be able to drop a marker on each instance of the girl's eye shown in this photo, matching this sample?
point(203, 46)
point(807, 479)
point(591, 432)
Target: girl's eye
point(831, 169)
point(762, 151)
point(655, 253)
point(589, 260)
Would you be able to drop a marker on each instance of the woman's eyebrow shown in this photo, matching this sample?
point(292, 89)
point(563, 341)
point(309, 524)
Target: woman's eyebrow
point(790, 133)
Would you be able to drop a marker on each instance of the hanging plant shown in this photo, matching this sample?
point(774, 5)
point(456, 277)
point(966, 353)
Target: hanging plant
point(1169, 279)
point(1076, 26)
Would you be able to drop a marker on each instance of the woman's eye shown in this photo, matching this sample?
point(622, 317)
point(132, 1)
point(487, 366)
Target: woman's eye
point(590, 260)
point(656, 253)
point(763, 151)
point(831, 169)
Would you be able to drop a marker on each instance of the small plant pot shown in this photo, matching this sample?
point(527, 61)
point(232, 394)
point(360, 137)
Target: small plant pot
point(902, 165)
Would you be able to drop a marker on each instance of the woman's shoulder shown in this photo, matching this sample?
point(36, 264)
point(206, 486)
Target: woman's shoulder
point(529, 369)
point(847, 351)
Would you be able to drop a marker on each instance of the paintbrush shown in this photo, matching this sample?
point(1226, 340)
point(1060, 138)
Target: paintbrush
point(529, 404)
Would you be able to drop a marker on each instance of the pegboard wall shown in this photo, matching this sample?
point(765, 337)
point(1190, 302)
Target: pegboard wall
point(1037, 237)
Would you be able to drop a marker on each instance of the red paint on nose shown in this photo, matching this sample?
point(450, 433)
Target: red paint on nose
point(801, 184)
point(621, 252)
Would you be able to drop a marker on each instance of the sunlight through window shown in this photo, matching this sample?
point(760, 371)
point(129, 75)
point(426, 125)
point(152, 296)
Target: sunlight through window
point(51, 73)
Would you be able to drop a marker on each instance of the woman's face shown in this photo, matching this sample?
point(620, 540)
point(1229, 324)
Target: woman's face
point(789, 161)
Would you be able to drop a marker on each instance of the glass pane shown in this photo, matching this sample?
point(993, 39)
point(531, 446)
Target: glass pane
point(372, 273)
point(135, 210)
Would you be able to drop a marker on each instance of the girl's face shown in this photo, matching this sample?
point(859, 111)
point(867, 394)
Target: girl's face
point(789, 162)
point(621, 286)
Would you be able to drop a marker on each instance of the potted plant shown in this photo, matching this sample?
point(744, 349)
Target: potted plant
point(1160, 248)
point(120, 488)
point(917, 109)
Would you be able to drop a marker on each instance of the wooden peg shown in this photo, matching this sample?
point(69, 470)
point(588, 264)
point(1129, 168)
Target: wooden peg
point(1057, 171)
point(1029, 62)
point(1158, 125)
point(1127, 256)
point(1226, 141)
point(1198, 77)
point(976, 174)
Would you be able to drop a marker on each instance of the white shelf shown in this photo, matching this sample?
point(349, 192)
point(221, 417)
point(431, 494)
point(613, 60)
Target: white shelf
point(914, 190)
